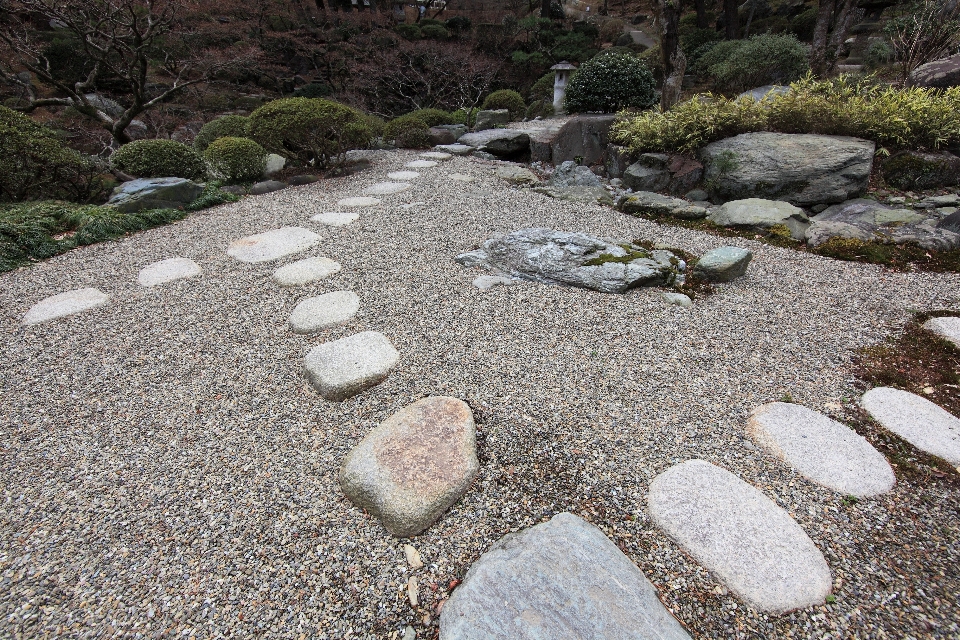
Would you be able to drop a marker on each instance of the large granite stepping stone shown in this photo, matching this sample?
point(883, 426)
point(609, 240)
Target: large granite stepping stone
point(403, 175)
point(386, 188)
point(359, 201)
point(65, 304)
point(920, 422)
point(272, 245)
point(947, 327)
point(821, 449)
point(415, 465)
point(336, 218)
point(562, 579)
point(735, 531)
point(440, 156)
point(322, 312)
point(421, 164)
point(345, 367)
point(304, 271)
point(167, 271)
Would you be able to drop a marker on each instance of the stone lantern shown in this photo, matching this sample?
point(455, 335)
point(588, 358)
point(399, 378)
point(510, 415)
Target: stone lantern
point(563, 69)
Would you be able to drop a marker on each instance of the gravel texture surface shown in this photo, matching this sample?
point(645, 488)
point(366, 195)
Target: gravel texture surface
point(168, 471)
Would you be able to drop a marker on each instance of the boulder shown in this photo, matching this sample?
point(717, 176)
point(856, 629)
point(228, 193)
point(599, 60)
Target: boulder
point(301, 180)
point(942, 74)
point(490, 119)
point(502, 143)
point(518, 175)
point(415, 465)
point(542, 135)
point(654, 204)
point(154, 193)
point(802, 169)
point(723, 264)
point(921, 170)
point(950, 223)
point(756, 213)
point(266, 186)
point(868, 220)
point(641, 177)
point(570, 174)
point(590, 195)
point(616, 159)
point(441, 136)
point(275, 165)
point(583, 138)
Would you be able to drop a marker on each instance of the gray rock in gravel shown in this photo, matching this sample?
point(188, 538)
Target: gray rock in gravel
point(558, 257)
point(948, 200)
point(454, 149)
point(868, 220)
point(823, 231)
point(517, 175)
point(322, 312)
point(560, 579)
point(649, 203)
point(697, 195)
point(822, 450)
point(267, 186)
point(723, 264)
point(275, 165)
point(590, 195)
point(488, 282)
point(753, 546)
point(641, 177)
point(677, 299)
point(301, 180)
point(947, 327)
point(571, 174)
point(757, 213)
point(490, 118)
point(154, 193)
point(920, 422)
point(167, 271)
point(343, 368)
point(65, 304)
point(441, 136)
point(415, 465)
point(272, 245)
point(502, 143)
point(305, 271)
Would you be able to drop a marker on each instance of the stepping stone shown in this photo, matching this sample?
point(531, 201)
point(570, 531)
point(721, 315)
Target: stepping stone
point(305, 271)
point(415, 465)
point(167, 271)
point(920, 422)
point(488, 282)
point(733, 530)
point(559, 579)
point(322, 312)
point(358, 202)
point(421, 164)
point(272, 245)
point(436, 155)
point(386, 188)
point(947, 328)
point(65, 304)
point(403, 175)
point(348, 366)
point(822, 450)
point(462, 177)
point(336, 218)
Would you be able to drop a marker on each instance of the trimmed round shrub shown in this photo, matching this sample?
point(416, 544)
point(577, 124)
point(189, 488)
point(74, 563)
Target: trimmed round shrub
point(222, 127)
point(542, 89)
point(611, 83)
point(434, 32)
point(408, 31)
point(541, 108)
point(506, 99)
point(693, 40)
point(464, 116)
point(375, 124)
point(757, 61)
point(457, 24)
point(408, 132)
point(309, 131)
point(159, 159)
point(235, 159)
point(432, 117)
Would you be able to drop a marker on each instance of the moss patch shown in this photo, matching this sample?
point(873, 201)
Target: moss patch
point(633, 253)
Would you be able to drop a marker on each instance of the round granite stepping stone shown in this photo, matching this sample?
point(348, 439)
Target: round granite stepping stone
point(821, 449)
point(436, 155)
point(403, 175)
point(272, 245)
point(560, 579)
point(322, 312)
point(336, 218)
point(345, 367)
point(167, 271)
point(303, 271)
point(415, 465)
point(947, 327)
point(920, 422)
point(735, 531)
point(386, 188)
point(462, 177)
point(360, 201)
point(421, 164)
point(65, 304)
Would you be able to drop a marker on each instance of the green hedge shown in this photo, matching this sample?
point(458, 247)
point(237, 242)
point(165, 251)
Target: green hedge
point(222, 127)
point(159, 159)
point(738, 65)
point(408, 132)
point(433, 117)
point(235, 159)
point(610, 83)
point(506, 99)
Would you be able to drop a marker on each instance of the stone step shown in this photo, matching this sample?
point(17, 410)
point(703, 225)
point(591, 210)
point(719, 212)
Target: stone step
point(273, 245)
point(920, 422)
point(386, 188)
point(343, 368)
point(358, 201)
point(322, 312)
point(167, 271)
point(421, 164)
point(336, 218)
point(65, 304)
point(305, 271)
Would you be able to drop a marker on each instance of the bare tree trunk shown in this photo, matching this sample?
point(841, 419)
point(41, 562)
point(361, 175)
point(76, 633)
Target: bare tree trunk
point(818, 49)
point(674, 62)
point(545, 8)
point(753, 8)
point(701, 6)
point(840, 30)
point(731, 20)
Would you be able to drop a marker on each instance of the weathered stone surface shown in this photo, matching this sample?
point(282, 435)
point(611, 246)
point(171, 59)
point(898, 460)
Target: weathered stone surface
point(167, 271)
point(266, 186)
point(272, 245)
point(677, 299)
point(321, 312)
point(343, 368)
point(439, 156)
point(562, 579)
point(737, 533)
point(570, 174)
point(386, 188)
point(491, 118)
point(403, 176)
point(648, 203)
point(441, 136)
point(590, 195)
point(65, 304)
point(616, 159)
point(517, 175)
point(575, 259)
point(301, 180)
point(502, 143)
point(584, 137)
point(305, 271)
point(757, 213)
point(154, 193)
point(415, 465)
point(802, 169)
point(947, 327)
point(275, 165)
point(723, 264)
point(358, 201)
point(822, 450)
point(336, 218)
point(950, 223)
point(920, 422)
point(455, 149)
point(943, 73)
point(767, 91)
point(488, 282)
point(462, 177)
point(640, 177)
point(921, 170)
point(421, 164)
point(869, 220)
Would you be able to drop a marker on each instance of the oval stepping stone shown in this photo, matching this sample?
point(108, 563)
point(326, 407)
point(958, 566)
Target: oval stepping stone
point(403, 175)
point(415, 465)
point(488, 282)
point(821, 449)
point(65, 304)
point(360, 201)
point(421, 164)
point(321, 312)
point(336, 218)
point(559, 579)
point(947, 327)
point(307, 270)
point(436, 155)
point(167, 271)
point(739, 534)
point(272, 245)
point(920, 422)
point(345, 367)
point(462, 177)
point(386, 188)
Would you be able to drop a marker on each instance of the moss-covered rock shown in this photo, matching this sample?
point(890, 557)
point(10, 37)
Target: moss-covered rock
point(920, 170)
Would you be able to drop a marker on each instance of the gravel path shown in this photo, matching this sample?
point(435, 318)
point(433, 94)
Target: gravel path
point(167, 470)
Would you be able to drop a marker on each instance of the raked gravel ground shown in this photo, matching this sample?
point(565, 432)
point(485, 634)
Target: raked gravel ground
point(167, 472)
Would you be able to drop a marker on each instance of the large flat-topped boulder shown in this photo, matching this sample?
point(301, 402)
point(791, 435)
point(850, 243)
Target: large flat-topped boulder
point(583, 136)
point(821, 449)
point(154, 193)
point(868, 220)
point(654, 204)
point(167, 271)
point(503, 143)
point(272, 245)
point(802, 169)
point(920, 422)
point(757, 213)
point(562, 579)
point(415, 465)
point(753, 546)
point(947, 327)
point(65, 304)
point(343, 368)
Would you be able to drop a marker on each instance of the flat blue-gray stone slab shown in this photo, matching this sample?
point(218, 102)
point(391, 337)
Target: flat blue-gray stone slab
point(65, 304)
point(272, 245)
point(920, 422)
point(753, 546)
point(167, 271)
point(562, 579)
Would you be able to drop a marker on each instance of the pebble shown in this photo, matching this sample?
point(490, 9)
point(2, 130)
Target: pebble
point(273, 245)
point(678, 299)
point(167, 271)
point(348, 366)
point(336, 218)
point(920, 422)
point(413, 556)
point(65, 304)
point(325, 311)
